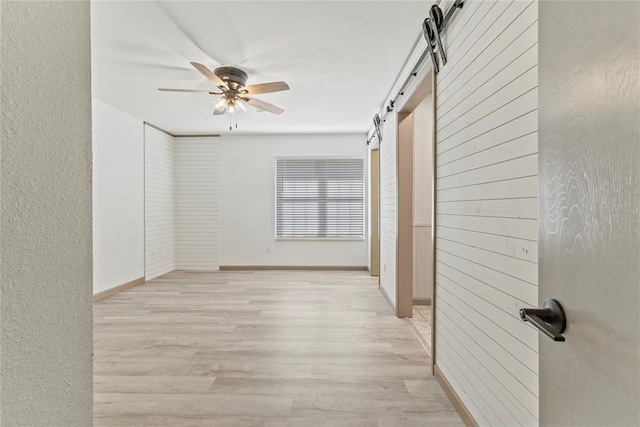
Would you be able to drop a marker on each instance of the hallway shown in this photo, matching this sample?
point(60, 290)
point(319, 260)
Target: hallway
point(260, 348)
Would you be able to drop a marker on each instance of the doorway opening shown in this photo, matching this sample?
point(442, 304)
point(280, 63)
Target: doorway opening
point(415, 250)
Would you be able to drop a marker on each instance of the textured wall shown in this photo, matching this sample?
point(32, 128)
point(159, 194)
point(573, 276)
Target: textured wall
point(589, 232)
point(45, 257)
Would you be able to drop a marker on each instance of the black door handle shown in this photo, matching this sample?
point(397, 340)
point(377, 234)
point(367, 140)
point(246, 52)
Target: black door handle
point(550, 319)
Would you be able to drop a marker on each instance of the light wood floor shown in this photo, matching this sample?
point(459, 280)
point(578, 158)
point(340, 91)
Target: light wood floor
point(260, 349)
point(421, 322)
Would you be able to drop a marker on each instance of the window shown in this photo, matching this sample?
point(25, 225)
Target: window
point(319, 198)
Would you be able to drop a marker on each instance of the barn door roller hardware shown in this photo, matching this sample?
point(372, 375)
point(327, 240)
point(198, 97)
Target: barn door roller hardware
point(431, 29)
point(377, 124)
point(378, 131)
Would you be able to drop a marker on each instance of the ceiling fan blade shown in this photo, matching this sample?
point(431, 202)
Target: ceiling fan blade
point(208, 73)
point(266, 88)
point(218, 112)
point(264, 105)
point(189, 91)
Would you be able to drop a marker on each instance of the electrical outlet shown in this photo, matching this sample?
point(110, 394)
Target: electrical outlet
point(384, 267)
point(268, 249)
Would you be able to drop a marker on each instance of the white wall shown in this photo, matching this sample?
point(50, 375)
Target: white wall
point(176, 217)
point(118, 197)
point(197, 200)
point(422, 189)
point(486, 215)
point(247, 177)
point(159, 201)
point(46, 250)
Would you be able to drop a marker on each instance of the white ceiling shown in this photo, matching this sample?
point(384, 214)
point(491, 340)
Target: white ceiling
point(339, 58)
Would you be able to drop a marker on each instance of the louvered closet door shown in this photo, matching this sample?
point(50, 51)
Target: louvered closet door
point(319, 198)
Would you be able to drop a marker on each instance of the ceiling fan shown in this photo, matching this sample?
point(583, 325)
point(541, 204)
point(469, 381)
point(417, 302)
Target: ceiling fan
point(236, 95)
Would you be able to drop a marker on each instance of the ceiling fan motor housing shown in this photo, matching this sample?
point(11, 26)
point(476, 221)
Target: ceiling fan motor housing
point(234, 77)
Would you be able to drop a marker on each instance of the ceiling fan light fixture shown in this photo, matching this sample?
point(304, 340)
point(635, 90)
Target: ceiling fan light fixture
point(241, 106)
point(220, 104)
point(236, 95)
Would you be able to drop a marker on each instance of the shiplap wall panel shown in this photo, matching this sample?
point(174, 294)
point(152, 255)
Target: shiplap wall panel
point(468, 130)
point(486, 215)
point(506, 208)
point(481, 78)
point(518, 147)
point(159, 202)
point(388, 207)
point(511, 286)
point(507, 227)
point(527, 122)
point(518, 248)
point(470, 116)
point(511, 266)
point(489, 318)
point(491, 29)
point(461, 383)
point(197, 193)
point(499, 298)
point(475, 326)
point(520, 167)
point(492, 190)
point(502, 385)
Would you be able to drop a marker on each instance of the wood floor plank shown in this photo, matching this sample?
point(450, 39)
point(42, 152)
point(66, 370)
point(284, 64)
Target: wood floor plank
point(263, 348)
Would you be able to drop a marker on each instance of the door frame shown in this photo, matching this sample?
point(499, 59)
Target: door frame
point(403, 288)
point(432, 77)
point(374, 221)
point(404, 215)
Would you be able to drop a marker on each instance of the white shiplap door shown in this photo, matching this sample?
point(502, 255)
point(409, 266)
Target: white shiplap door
point(197, 210)
point(487, 210)
point(159, 202)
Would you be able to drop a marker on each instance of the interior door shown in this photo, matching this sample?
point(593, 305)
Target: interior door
point(589, 195)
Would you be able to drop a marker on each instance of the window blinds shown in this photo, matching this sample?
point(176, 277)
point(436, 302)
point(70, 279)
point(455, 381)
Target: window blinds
point(319, 198)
